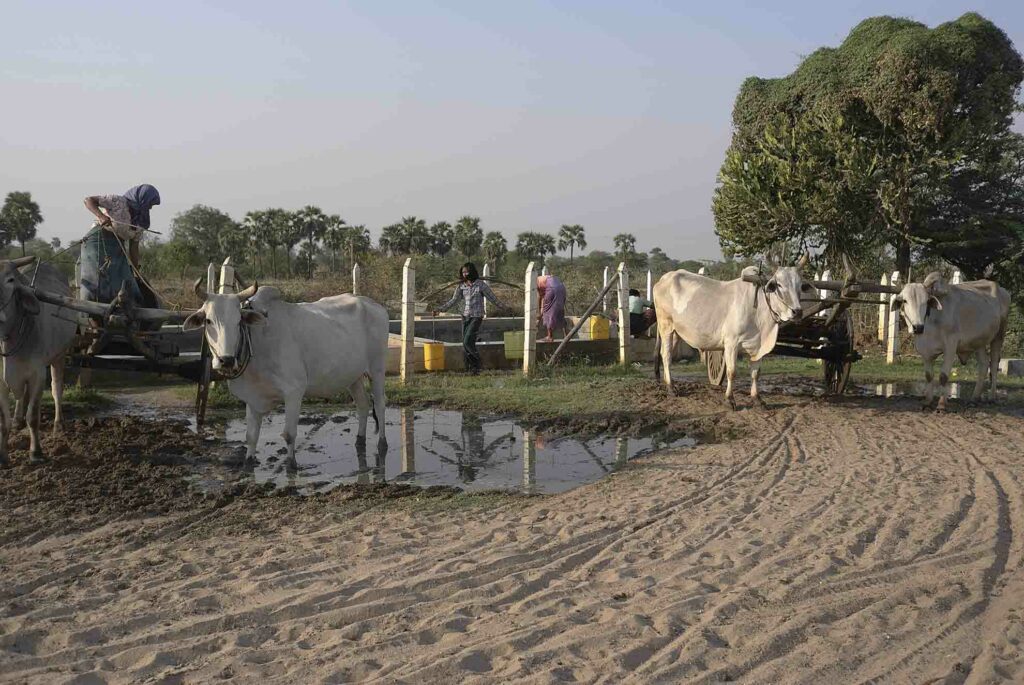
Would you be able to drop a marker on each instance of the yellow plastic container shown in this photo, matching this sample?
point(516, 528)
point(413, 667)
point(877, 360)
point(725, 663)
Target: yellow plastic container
point(433, 356)
point(599, 328)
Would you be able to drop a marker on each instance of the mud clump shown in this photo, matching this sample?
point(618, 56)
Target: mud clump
point(97, 470)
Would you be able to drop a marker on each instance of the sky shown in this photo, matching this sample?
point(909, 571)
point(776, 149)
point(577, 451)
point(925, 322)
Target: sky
point(530, 115)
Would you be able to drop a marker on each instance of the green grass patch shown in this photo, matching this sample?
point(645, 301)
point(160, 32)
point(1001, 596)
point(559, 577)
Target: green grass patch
point(81, 398)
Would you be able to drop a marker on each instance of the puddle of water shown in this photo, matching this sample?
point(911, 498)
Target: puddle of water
point(957, 390)
point(436, 447)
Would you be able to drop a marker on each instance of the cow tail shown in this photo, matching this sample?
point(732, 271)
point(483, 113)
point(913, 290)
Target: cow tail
point(657, 354)
point(373, 407)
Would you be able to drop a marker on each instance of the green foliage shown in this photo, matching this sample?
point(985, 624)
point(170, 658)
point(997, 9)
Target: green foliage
point(19, 218)
point(495, 248)
point(899, 137)
point(468, 236)
point(535, 246)
point(570, 237)
point(211, 232)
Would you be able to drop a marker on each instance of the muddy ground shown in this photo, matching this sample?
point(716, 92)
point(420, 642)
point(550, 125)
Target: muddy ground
point(816, 541)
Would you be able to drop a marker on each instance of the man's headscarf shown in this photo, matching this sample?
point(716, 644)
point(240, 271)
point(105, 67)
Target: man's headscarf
point(140, 200)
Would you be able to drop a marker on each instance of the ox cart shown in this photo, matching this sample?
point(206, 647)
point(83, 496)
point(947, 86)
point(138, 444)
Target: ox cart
point(824, 332)
point(122, 336)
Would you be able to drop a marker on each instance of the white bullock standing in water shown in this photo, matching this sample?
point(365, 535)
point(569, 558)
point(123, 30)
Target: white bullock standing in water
point(276, 351)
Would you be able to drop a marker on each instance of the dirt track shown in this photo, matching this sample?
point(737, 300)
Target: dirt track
point(847, 542)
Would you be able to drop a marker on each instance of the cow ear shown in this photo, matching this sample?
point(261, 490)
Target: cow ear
point(897, 303)
point(28, 301)
point(251, 317)
point(935, 303)
point(196, 320)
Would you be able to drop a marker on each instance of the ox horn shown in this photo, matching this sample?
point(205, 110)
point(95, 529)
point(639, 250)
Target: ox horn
point(250, 291)
point(199, 290)
point(804, 260)
point(23, 261)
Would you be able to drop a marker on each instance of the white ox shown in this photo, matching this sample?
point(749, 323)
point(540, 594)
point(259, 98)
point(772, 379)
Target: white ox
point(956, 321)
point(35, 336)
point(282, 352)
point(731, 316)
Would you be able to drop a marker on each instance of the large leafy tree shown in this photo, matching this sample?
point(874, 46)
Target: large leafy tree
point(207, 229)
point(570, 237)
point(899, 137)
point(19, 218)
point(535, 246)
point(468, 235)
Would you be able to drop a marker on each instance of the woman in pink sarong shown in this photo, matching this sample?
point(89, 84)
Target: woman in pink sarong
point(551, 293)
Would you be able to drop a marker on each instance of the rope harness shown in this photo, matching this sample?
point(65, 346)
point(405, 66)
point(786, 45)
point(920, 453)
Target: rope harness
point(243, 352)
point(768, 302)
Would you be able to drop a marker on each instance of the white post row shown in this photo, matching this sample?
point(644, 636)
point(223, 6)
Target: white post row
point(487, 303)
point(405, 363)
point(604, 284)
point(883, 310)
point(227, 278)
point(623, 307)
point(530, 320)
point(355, 279)
point(892, 351)
point(650, 286)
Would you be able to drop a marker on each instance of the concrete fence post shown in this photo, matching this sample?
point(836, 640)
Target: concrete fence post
point(227, 278)
point(355, 279)
point(883, 310)
point(529, 460)
point(650, 286)
point(544, 270)
point(408, 321)
point(211, 278)
point(487, 303)
point(78, 276)
point(958, 278)
point(892, 352)
point(623, 308)
point(406, 420)
point(530, 320)
point(703, 271)
point(604, 284)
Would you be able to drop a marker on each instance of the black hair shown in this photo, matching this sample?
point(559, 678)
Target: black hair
point(634, 292)
point(471, 273)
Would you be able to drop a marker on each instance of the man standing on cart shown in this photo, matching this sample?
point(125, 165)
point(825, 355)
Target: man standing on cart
point(110, 251)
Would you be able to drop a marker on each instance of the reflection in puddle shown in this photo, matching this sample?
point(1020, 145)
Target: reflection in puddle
point(435, 447)
point(957, 390)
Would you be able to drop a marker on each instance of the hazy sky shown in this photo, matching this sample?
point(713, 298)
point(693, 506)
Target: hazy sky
point(614, 115)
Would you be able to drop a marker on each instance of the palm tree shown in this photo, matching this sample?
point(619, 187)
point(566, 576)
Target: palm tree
point(310, 224)
point(279, 233)
point(20, 216)
point(535, 246)
point(416, 235)
point(495, 248)
point(393, 240)
point(468, 235)
point(441, 238)
point(570, 237)
point(625, 245)
point(334, 238)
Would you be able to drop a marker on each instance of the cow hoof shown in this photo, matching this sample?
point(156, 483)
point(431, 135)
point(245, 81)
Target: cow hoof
point(731, 403)
point(360, 441)
point(19, 425)
point(37, 458)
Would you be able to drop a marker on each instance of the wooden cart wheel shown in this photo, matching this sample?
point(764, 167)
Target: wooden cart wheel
point(837, 373)
point(715, 361)
point(203, 385)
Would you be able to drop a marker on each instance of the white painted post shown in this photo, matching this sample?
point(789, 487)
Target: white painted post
point(355, 279)
point(893, 347)
point(957, 278)
point(621, 451)
point(408, 321)
point(623, 307)
point(703, 271)
point(650, 286)
point(78, 275)
point(544, 270)
point(227, 278)
point(529, 460)
point(530, 320)
point(487, 303)
point(211, 278)
point(883, 310)
point(604, 284)
point(406, 418)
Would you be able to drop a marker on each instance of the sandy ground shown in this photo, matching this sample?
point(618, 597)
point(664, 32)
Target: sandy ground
point(860, 540)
